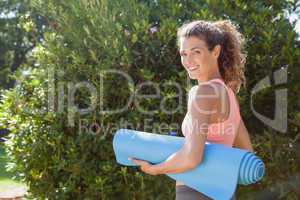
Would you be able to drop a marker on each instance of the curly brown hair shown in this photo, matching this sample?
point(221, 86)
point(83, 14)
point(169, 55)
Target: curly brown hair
point(231, 60)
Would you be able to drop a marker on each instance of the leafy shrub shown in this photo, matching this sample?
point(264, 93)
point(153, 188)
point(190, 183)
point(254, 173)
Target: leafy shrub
point(63, 151)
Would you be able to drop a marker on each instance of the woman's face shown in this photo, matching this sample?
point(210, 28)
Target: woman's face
point(196, 58)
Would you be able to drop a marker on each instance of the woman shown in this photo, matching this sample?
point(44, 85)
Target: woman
point(210, 53)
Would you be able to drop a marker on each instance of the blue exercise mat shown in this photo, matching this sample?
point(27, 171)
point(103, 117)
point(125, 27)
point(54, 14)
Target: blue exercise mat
point(217, 176)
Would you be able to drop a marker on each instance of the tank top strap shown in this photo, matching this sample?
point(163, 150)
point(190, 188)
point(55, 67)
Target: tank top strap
point(228, 89)
point(218, 80)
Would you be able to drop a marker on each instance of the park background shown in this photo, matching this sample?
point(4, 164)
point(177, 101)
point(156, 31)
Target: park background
point(56, 44)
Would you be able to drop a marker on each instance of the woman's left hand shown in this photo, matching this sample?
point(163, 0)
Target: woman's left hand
point(145, 166)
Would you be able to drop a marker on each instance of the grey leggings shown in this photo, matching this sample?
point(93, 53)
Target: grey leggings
point(184, 192)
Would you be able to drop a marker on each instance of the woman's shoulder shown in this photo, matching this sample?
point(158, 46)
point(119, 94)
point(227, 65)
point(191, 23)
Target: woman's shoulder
point(207, 96)
point(208, 89)
point(202, 99)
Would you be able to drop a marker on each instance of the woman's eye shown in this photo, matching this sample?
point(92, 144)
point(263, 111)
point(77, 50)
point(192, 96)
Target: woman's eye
point(198, 52)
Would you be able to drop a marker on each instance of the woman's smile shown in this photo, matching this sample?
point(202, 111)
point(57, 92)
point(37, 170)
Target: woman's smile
point(191, 69)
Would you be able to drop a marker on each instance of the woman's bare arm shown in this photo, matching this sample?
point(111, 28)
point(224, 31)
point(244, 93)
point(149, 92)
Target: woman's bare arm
point(242, 139)
point(191, 153)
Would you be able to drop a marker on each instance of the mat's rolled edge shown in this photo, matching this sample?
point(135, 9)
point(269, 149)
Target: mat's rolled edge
point(119, 158)
point(251, 170)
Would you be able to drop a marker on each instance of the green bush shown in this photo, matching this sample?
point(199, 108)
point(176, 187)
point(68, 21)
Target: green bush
point(61, 153)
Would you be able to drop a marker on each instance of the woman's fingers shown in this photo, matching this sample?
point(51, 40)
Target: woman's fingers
point(143, 165)
point(136, 161)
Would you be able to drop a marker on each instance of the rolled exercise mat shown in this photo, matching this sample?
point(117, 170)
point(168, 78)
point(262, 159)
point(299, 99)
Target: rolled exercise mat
point(221, 169)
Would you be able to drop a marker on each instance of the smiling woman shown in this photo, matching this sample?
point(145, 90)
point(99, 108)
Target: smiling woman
point(211, 54)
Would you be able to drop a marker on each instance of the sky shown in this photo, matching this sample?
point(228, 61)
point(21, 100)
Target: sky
point(295, 17)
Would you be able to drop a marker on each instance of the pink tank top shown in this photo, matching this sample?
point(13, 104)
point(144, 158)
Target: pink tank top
point(224, 132)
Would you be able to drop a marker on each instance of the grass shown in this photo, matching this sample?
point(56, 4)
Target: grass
point(6, 180)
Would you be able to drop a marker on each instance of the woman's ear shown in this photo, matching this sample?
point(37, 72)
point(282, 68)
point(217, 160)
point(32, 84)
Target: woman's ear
point(216, 51)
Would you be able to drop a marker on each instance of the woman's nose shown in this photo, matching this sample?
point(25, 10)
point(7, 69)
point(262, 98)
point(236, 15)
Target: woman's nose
point(188, 60)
